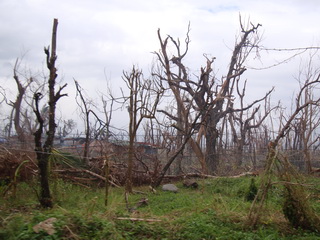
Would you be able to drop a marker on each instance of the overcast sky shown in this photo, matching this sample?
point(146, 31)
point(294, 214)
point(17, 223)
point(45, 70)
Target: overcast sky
point(98, 39)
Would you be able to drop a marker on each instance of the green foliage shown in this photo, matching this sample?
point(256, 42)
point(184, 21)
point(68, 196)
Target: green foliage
point(140, 230)
point(216, 210)
point(11, 226)
point(65, 159)
point(90, 228)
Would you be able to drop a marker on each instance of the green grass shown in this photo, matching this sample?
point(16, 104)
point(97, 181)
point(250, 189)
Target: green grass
point(218, 209)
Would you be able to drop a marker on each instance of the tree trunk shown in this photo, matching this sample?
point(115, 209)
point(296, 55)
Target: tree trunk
point(42, 157)
point(45, 195)
point(107, 173)
point(240, 146)
point(43, 161)
point(17, 106)
point(307, 159)
point(43, 152)
point(130, 166)
point(86, 111)
point(87, 140)
point(200, 156)
point(212, 157)
point(211, 136)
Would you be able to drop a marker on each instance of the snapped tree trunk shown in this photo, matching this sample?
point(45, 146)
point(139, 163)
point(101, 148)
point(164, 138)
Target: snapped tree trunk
point(43, 152)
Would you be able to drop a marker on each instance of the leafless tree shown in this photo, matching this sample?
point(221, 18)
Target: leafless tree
point(93, 128)
point(303, 132)
point(246, 121)
point(43, 151)
point(21, 116)
point(16, 105)
point(175, 74)
point(272, 159)
point(65, 127)
point(189, 131)
point(142, 102)
point(108, 116)
point(310, 121)
point(84, 105)
point(213, 98)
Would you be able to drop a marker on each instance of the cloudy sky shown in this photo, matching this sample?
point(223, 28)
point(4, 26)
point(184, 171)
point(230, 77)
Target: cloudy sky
point(98, 39)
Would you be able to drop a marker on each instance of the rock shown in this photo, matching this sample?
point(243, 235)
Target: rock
point(189, 183)
point(46, 226)
point(170, 188)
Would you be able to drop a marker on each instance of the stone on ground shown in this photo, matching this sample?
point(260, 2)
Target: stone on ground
point(170, 188)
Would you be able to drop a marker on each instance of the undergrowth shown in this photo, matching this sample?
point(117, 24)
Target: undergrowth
point(218, 209)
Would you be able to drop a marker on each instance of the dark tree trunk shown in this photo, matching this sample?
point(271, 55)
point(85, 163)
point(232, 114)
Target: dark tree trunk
point(130, 166)
point(45, 196)
point(87, 140)
point(43, 152)
point(212, 156)
point(16, 119)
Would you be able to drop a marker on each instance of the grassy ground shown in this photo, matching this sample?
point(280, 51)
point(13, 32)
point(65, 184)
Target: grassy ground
point(216, 210)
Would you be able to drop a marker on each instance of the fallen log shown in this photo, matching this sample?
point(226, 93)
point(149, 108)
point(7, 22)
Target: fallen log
point(139, 219)
point(61, 171)
point(200, 175)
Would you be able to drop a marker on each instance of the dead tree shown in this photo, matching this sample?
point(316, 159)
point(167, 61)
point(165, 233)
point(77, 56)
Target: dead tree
point(302, 136)
point(179, 83)
point(142, 102)
point(16, 105)
point(178, 120)
point(43, 151)
point(272, 160)
point(211, 97)
point(94, 128)
point(310, 121)
point(189, 131)
point(108, 116)
point(243, 122)
point(187, 122)
point(85, 109)
point(236, 69)
point(65, 127)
